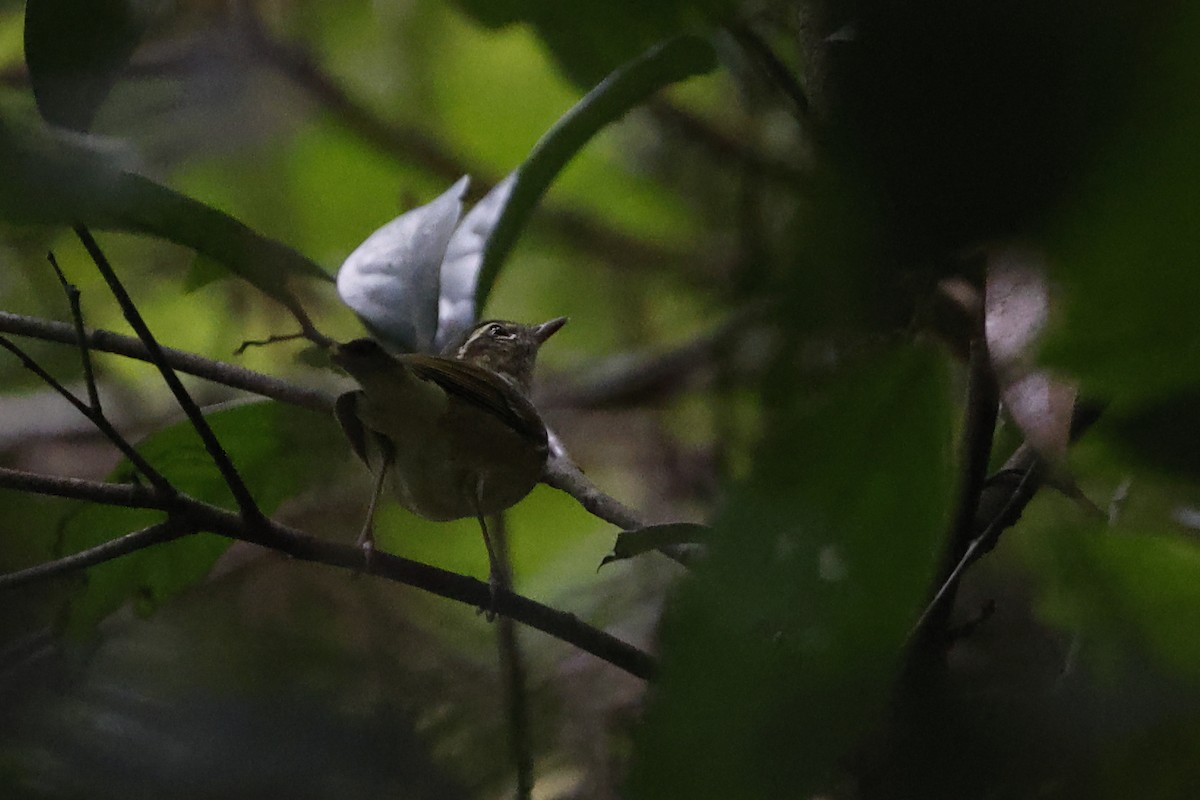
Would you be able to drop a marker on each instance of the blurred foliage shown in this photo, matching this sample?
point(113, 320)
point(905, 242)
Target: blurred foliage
point(839, 161)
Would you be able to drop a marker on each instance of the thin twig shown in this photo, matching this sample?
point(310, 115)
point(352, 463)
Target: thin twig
point(512, 669)
point(81, 339)
point(160, 483)
point(166, 531)
point(216, 452)
point(232, 375)
point(952, 579)
point(274, 339)
point(775, 69)
point(199, 516)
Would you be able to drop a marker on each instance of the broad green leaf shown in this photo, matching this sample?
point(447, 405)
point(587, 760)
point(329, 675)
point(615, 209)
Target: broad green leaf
point(662, 65)
point(779, 653)
point(75, 50)
point(56, 177)
point(590, 38)
point(279, 450)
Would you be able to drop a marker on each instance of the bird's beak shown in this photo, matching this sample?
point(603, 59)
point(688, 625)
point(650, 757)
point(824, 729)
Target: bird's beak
point(547, 329)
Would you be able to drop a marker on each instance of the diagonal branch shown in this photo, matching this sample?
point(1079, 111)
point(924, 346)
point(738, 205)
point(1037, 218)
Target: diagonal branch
point(233, 479)
point(77, 318)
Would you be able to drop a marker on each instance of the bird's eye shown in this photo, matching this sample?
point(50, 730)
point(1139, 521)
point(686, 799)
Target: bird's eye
point(500, 332)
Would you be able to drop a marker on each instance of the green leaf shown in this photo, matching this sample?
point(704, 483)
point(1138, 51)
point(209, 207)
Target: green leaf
point(644, 540)
point(627, 87)
point(780, 652)
point(75, 50)
point(279, 450)
point(55, 177)
point(592, 37)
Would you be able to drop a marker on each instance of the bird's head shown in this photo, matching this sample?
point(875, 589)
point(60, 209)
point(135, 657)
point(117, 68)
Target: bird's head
point(507, 348)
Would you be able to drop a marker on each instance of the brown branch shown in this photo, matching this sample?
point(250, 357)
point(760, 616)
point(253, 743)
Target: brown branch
point(562, 474)
point(72, 292)
point(198, 516)
point(229, 473)
point(231, 375)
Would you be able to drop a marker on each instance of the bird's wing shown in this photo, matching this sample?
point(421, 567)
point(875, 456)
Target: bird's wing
point(484, 388)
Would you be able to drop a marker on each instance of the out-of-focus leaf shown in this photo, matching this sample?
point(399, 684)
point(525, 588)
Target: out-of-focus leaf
point(1017, 307)
point(662, 65)
point(644, 540)
point(464, 258)
point(55, 177)
point(279, 451)
point(75, 50)
point(393, 279)
point(781, 649)
point(591, 38)
point(1126, 259)
point(1125, 591)
point(1164, 435)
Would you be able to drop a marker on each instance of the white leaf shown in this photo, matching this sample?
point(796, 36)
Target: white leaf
point(393, 279)
point(464, 257)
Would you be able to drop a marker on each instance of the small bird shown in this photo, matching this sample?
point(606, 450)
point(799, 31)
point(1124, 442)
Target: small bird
point(454, 435)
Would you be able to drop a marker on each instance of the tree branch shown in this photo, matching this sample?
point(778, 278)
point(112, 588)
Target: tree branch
point(229, 473)
point(160, 532)
point(196, 516)
point(231, 375)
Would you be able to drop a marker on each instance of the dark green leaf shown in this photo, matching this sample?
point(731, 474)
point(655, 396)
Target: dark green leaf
point(621, 91)
point(75, 50)
point(279, 451)
point(781, 649)
point(53, 177)
point(591, 38)
point(1164, 434)
point(652, 537)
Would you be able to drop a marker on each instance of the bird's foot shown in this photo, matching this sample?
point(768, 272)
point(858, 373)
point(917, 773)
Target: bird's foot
point(366, 543)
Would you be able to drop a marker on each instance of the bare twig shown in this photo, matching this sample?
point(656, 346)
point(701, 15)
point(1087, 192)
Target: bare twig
point(231, 375)
point(77, 319)
point(198, 516)
point(776, 70)
point(97, 418)
point(274, 339)
point(166, 531)
point(998, 522)
point(512, 668)
point(229, 473)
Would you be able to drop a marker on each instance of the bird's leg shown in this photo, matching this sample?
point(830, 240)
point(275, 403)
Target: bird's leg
point(497, 576)
point(366, 538)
